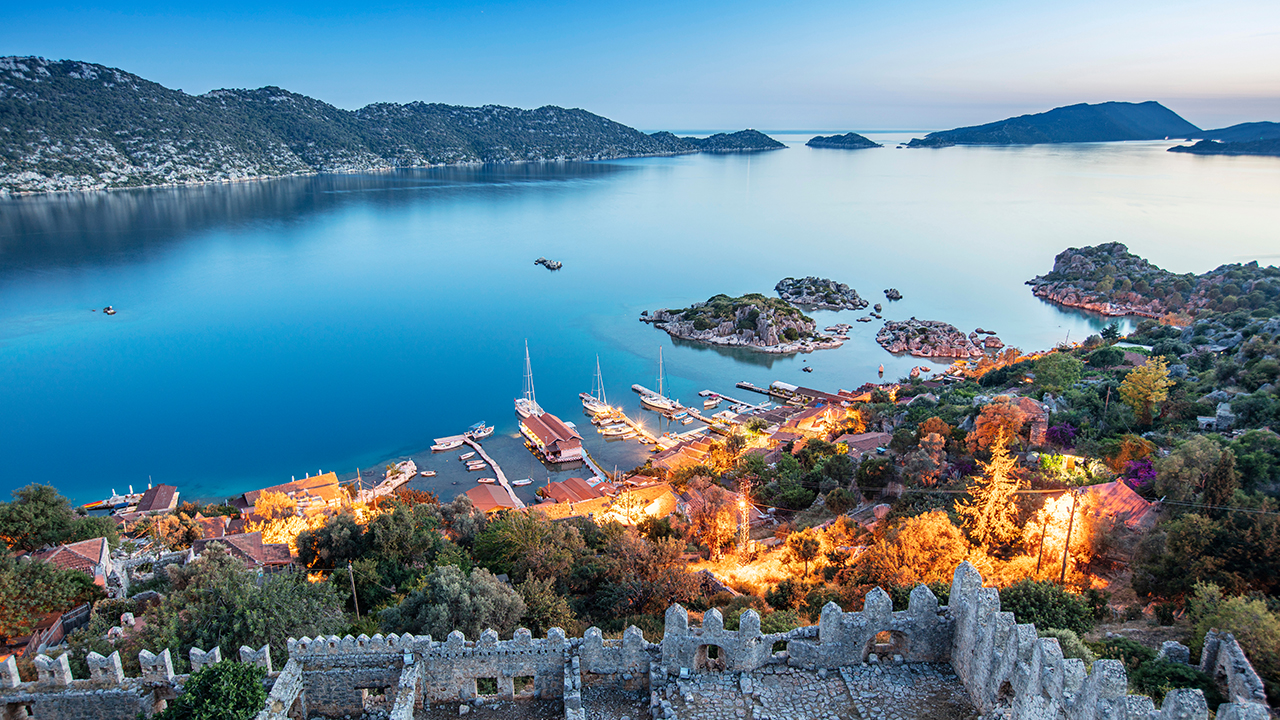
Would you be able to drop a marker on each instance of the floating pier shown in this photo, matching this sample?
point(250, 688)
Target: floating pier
point(502, 478)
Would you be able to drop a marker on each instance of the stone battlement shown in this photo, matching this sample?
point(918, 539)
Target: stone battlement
point(1005, 668)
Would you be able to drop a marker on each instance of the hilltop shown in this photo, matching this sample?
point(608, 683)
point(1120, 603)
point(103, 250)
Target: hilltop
point(71, 125)
point(848, 141)
point(1104, 122)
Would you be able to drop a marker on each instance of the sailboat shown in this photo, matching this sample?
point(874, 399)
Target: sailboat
point(659, 401)
point(527, 405)
point(594, 401)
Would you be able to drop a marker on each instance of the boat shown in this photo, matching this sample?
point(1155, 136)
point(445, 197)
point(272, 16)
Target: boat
point(614, 431)
point(712, 402)
point(527, 405)
point(479, 431)
point(522, 483)
point(477, 466)
point(487, 481)
point(594, 401)
point(428, 473)
point(628, 436)
point(467, 456)
point(442, 445)
point(686, 421)
point(680, 415)
point(659, 401)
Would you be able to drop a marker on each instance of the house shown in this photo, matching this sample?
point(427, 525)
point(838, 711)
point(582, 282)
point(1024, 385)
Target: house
point(92, 557)
point(552, 438)
point(686, 453)
point(490, 498)
point(627, 507)
point(159, 499)
point(212, 527)
point(311, 493)
point(249, 548)
point(573, 490)
point(1037, 418)
point(1117, 500)
point(861, 444)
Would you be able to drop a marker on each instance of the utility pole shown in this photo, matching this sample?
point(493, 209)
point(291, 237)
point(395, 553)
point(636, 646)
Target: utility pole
point(354, 599)
point(1075, 496)
point(1043, 530)
point(744, 519)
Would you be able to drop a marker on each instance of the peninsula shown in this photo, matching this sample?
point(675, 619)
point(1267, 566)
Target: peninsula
point(72, 125)
point(752, 321)
point(1104, 122)
point(1110, 280)
point(848, 141)
point(819, 293)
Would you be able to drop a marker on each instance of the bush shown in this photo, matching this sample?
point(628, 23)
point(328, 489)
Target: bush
point(1047, 605)
point(901, 594)
point(1157, 677)
point(1105, 357)
point(1130, 652)
point(229, 690)
point(1071, 644)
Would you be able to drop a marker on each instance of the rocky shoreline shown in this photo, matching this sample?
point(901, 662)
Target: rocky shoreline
point(819, 293)
point(936, 339)
point(753, 322)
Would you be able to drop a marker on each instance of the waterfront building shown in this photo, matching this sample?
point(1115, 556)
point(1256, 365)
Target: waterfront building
point(552, 438)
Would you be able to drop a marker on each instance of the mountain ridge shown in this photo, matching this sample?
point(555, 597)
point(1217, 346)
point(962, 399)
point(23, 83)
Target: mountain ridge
point(71, 125)
point(1102, 122)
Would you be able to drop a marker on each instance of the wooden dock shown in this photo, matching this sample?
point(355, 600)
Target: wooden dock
point(502, 478)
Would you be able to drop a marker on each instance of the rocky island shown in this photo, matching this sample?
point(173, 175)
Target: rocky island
point(1216, 147)
point(819, 293)
point(848, 141)
point(1103, 122)
point(1110, 280)
point(72, 125)
point(932, 338)
point(752, 321)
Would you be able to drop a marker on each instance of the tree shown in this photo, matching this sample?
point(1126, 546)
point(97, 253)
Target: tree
point(714, 520)
point(990, 513)
point(921, 549)
point(1111, 333)
point(544, 607)
point(804, 548)
point(840, 500)
point(1254, 626)
point(228, 690)
point(449, 599)
point(1184, 471)
point(275, 505)
point(934, 425)
point(926, 464)
point(1057, 371)
point(1048, 606)
point(526, 545)
point(999, 418)
point(1221, 484)
point(339, 540)
point(1105, 357)
point(37, 517)
point(174, 531)
point(1145, 387)
point(31, 589)
point(216, 600)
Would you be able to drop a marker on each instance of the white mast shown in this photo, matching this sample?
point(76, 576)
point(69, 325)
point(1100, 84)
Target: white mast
point(528, 381)
point(599, 383)
point(661, 391)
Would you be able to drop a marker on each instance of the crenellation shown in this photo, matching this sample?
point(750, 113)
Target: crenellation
point(1005, 668)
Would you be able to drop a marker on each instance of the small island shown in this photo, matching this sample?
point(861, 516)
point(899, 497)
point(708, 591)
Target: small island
point(933, 338)
point(848, 141)
point(741, 141)
point(1103, 122)
point(819, 293)
point(1214, 147)
point(753, 321)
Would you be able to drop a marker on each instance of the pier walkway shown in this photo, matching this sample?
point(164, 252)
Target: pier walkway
point(502, 478)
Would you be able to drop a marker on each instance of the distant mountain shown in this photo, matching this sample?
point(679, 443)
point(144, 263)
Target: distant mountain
point(848, 141)
point(70, 125)
point(1244, 132)
point(1213, 147)
point(1104, 122)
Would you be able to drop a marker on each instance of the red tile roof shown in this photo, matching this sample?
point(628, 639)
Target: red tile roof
point(863, 443)
point(325, 487)
point(572, 490)
point(83, 555)
point(489, 498)
point(250, 548)
point(160, 498)
point(1120, 501)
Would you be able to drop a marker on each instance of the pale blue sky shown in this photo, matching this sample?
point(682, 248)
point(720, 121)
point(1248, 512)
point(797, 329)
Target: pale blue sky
point(711, 65)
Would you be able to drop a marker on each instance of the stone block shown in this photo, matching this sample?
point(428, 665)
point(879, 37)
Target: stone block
point(9, 677)
point(1242, 711)
point(1174, 652)
point(922, 603)
point(712, 622)
point(878, 606)
point(677, 620)
point(488, 639)
point(522, 637)
point(201, 659)
point(748, 624)
point(260, 657)
point(156, 668)
point(105, 670)
point(829, 623)
point(53, 671)
point(1184, 704)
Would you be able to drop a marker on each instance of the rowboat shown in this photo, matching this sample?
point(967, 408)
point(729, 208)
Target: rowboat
point(487, 481)
point(525, 481)
point(467, 456)
point(428, 473)
point(442, 445)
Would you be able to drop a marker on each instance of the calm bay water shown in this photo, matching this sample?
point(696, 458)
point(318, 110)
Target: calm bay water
point(268, 330)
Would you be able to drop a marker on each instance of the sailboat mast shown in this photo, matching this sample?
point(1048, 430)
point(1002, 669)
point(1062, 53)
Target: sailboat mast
point(661, 391)
point(528, 377)
point(600, 383)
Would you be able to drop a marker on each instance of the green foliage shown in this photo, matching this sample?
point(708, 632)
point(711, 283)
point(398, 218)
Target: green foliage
point(1240, 553)
point(527, 545)
point(1254, 625)
point(1157, 677)
point(29, 589)
point(874, 473)
point(228, 690)
point(1057, 371)
point(1130, 652)
point(901, 594)
point(1071, 644)
point(1258, 460)
point(1047, 605)
point(449, 599)
point(840, 501)
point(544, 607)
point(339, 540)
point(39, 516)
point(1105, 357)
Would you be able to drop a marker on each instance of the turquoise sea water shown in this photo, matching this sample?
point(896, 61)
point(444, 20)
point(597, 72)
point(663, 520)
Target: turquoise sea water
point(272, 329)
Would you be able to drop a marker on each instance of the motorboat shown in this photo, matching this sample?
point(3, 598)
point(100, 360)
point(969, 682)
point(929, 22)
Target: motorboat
point(487, 481)
point(479, 431)
point(428, 473)
point(614, 431)
point(522, 483)
point(711, 402)
point(686, 421)
point(467, 456)
point(442, 445)
point(477, 466)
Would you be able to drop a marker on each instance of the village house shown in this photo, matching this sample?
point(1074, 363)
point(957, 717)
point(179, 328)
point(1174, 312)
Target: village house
point(861, 444)
point(92, 557)
point(552, 438)
point(685, 454)
point(627, 507)
point(249, 548)
point(490, 499)
point(575, 490)
point(311, 494)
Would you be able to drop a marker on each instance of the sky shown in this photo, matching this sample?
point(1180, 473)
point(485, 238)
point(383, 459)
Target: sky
point(711, 65)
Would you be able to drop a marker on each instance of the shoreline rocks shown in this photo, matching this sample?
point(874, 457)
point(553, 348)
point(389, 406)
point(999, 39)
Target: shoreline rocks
point(933, 338)
point(753, 322)
point(819, 293)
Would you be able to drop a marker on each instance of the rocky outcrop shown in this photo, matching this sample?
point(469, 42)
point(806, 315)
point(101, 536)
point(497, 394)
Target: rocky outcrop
point(1110, 280)
point(848, 141)
point(932, 338)
point(752, 321)
point(819, 293)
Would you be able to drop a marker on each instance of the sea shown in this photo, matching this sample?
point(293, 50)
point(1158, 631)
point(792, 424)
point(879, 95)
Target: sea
point(271, 330)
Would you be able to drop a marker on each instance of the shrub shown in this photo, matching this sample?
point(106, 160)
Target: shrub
point(1071, 644)
point(1047, 605)
point(229, 690)
point(1157, 677)
point(1130, 652)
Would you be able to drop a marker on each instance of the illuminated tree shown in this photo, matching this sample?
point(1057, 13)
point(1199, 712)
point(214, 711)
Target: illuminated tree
point(999, 418)
point(804, 548)
point(175, 531)
point(854, 423)
point(921, 549)
point(990, 513)
point(1045, 534)
point(1146, 386)
point(934, 425)
point(275, 505)
point(714, 521)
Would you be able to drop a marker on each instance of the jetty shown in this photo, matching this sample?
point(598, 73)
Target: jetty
point(400, 474)
point(502, 478)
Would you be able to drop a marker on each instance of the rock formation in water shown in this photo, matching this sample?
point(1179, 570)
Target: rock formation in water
point(1214, 147)
point(819, 293)
point(752, 321)
point(932, 338)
